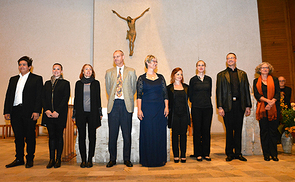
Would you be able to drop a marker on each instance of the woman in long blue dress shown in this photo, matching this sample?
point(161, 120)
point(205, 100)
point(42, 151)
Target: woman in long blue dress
point(152, 103)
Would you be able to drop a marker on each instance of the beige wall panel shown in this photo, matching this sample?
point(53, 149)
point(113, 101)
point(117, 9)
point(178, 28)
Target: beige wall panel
point(179, 33)
point(48, 31)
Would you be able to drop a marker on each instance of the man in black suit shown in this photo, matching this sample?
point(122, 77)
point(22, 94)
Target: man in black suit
point(285, 91)
point(22, 106)
point(233, 101)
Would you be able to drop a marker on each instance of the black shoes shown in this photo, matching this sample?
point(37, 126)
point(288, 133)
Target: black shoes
point(229, 158)
point(266, 158)
point(199, 158)
point(241, 158)
point(111, 163)
point(29, 164)
point(83, 164)
point(89, 163)
point(50, 164)
point(183, 160)
point(128, 163)
point(57, 163)
point(207, 158)
point(176, 160)
point(16, 162)
point(275, 158)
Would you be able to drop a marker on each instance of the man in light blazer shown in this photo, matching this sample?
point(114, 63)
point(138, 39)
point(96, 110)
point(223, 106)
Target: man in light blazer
point(121, 87)
point(22, 106)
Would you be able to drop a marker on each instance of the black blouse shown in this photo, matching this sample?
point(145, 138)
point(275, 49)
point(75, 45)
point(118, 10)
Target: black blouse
point(200, 92)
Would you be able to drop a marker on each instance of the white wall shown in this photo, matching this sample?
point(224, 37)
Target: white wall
point(48, 31)
point(177, 32)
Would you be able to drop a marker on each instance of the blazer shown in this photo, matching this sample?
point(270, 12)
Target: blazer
point(223, 90)
point(56, 99)
point(129, 87)
point(95, 104)
point(31, 95)
point(171, 96)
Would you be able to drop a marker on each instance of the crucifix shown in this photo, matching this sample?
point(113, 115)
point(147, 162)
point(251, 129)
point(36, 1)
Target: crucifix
point(131, 33)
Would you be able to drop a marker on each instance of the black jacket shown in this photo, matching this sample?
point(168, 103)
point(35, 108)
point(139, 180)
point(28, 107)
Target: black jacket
point(223, 90)
point(31, 95)
point(170, 90)
point(59, 102)
point(95, 102)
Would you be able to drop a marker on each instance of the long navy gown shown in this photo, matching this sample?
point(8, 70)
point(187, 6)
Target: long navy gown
point(153, 127)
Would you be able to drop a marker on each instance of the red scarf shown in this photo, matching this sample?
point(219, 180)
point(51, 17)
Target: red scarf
point(260, 111)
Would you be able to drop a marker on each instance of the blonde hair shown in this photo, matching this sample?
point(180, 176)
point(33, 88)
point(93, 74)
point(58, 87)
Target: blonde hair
point(258, 68)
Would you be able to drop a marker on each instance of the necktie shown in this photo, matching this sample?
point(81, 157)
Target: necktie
point(119, 84)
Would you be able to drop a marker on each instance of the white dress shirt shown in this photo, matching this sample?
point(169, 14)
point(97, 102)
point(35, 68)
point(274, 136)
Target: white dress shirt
point(18, 98)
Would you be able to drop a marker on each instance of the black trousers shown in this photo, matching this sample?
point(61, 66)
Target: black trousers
point(24, 131)
point(176, 140)
point(268, 136)
point(202, 119)
point(82, 138)
point(55, 131)
point(233, 121)
point(119, 116)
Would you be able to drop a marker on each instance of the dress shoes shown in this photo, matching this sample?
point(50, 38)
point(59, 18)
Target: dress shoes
point(199, 158)
point(183, 160)
point(50, 164)
point(29, 164)
point(83, 165)
point(241, 158)
point(111, 163)
point(128, 163)
point(57, 163)
point(207, 158)
point(275, 158)
point(176, 160)
point(16, 162)
point(229, 158)
point(266, 158)
point(89, 164)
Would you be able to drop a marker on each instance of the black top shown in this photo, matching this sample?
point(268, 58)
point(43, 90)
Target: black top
point(180, 101)
point(200, 92)
point(55, 98)
point(95, 104)
point(234, 82)
point(287, 95)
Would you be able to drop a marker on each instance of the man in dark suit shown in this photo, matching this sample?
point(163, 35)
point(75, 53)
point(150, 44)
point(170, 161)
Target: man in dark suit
point(233, 100)
point(121, 87)
point(285, 91)
point(22, 106)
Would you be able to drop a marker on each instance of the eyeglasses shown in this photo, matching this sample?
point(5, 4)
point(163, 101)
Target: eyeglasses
point(231, 58)
point(264, 68)
point(282, 80)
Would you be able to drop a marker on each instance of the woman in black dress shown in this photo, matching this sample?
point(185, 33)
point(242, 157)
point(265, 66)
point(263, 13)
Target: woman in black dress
point(200, 96)
point(267, 93)
point(56, 93)
point(87, 109)
point(179, 117)
point(152, 103)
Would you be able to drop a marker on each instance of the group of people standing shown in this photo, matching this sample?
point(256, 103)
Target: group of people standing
point(156, 102)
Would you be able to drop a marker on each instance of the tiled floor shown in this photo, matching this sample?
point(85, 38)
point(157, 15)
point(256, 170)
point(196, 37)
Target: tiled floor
point(255, 169)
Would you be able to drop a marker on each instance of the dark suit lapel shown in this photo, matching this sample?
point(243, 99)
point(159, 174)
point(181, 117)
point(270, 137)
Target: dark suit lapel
point(227, 76)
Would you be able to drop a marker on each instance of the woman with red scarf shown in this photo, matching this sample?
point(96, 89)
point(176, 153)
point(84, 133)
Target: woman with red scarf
point(267, 93)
